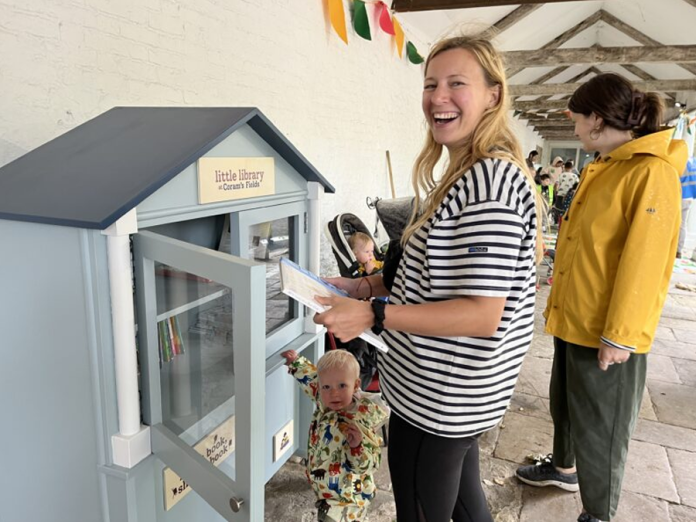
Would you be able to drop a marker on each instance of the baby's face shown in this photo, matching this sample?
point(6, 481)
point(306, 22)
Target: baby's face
point(365, 252)
point(336, 388)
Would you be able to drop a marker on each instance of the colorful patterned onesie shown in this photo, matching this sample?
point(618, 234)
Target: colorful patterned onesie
point(341, 476)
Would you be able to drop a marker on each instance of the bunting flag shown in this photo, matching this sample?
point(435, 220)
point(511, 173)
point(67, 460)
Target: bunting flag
point(399, 37)
point(385, 21)
point(360, 22)
point(413, 55)
point(338, 19)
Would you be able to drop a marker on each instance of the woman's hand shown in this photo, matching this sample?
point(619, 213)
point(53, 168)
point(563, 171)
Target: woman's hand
point(609, 355)
point(346, 318)
point(352, 286)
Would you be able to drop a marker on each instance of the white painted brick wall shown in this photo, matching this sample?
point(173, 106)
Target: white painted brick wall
point(63, 62)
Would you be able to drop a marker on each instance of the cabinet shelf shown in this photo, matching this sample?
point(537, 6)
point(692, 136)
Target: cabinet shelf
point(178, 294)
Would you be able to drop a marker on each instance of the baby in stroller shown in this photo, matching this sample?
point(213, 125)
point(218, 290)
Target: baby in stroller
point(363, 248)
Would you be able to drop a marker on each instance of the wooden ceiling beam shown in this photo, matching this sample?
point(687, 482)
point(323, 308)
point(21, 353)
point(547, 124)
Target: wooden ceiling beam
point(639, 36)
point(518, 14)
point(551, 89)
point(599, 55)
point(540, 105)
point(563, 38)
point(405, 6)
point(566, 124)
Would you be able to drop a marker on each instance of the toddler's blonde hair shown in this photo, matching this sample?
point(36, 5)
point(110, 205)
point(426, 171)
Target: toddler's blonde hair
point(339, 359)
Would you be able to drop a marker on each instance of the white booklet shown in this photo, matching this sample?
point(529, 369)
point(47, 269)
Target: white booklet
point(302, 285)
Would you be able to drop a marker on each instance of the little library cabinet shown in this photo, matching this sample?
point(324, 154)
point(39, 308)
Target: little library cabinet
point(143, 320)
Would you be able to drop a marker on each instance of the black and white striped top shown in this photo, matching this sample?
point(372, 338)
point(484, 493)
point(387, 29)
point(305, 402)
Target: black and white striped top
point(480, 242)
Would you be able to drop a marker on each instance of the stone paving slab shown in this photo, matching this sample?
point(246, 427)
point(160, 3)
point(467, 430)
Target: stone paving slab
point(674, 403)
point(648, 471)
point(683, 335)
point(549, 504)
point(523, 435)
point(503, 491)
point(684, 468)
point(661, 368)
point(646, 407)
point(530, 405)
point(665, 435)
point(641, 508)
point(682, 513)
point(674, 349)
point(534, 377)
point(686, 370)
point(664, 334)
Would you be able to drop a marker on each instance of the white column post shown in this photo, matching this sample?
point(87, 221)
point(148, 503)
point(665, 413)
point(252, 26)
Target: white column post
point(132, 443)
point(316, 191)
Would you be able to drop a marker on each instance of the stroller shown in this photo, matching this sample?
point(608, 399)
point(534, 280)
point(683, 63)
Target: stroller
point(394, 215)
point(338, 231)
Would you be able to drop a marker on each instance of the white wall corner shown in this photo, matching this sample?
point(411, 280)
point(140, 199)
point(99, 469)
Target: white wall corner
point(127, 451)
point(125, 225)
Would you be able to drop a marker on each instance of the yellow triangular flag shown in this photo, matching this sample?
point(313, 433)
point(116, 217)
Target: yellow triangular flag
point(338, 19)
point(399, 35)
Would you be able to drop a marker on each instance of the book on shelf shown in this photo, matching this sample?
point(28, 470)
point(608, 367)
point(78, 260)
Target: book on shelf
point(169, 339)
point(302, 285)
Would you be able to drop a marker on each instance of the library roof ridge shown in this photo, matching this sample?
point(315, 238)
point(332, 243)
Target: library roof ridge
point(94, 174)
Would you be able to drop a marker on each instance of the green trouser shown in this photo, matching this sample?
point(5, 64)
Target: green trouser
point(594, 414)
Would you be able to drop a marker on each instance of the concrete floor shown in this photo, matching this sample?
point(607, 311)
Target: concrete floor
point(660, 480)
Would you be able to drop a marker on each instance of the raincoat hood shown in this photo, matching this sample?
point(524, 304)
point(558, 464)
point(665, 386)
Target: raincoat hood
point(659, 144)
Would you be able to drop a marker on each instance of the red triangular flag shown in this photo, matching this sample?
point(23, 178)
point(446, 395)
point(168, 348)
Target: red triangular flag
point(385, 21)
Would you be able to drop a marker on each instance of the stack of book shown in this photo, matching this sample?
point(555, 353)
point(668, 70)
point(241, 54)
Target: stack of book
point(170, 341)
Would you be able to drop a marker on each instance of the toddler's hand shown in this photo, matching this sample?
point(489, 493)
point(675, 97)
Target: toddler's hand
point(289, 357)
point(353, 435)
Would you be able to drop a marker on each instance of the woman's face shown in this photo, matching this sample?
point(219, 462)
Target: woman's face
point(455, 96)
point(583, 126)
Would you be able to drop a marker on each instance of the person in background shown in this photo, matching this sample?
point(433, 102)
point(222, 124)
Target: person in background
point(343, 451)
point(567, 180)
point(546, 189)
point(612, 270)
point(532, 160)
point(555, 168)
point(460, 316)
point(688, 184)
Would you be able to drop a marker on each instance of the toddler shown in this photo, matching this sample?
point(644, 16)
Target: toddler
point(344, 449)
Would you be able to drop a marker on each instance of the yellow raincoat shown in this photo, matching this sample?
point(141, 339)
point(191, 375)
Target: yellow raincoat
point(617, 245)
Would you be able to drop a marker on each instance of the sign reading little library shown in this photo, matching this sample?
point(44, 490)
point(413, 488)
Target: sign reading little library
point(223, 179)
point(216, 447)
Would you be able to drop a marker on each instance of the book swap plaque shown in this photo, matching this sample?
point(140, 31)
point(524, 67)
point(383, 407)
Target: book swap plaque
point(224, 179)
point(216, 447)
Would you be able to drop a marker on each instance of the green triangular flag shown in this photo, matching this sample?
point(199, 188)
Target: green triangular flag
point(360, 23)
point(413, 55)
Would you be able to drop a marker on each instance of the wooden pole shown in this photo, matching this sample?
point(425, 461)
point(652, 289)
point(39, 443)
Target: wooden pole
point(391, 176)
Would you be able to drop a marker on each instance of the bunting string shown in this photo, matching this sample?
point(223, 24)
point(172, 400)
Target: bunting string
point(385, 19)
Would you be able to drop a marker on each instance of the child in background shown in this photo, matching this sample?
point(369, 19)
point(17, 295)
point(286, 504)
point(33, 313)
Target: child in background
point(364, 249)
point(344, 449)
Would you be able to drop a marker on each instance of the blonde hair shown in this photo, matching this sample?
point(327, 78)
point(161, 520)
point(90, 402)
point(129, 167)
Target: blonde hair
point(357, 239)
point(492, 138)
point(339, 359)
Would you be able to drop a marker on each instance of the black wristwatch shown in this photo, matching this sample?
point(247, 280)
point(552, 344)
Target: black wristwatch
point(378, 309)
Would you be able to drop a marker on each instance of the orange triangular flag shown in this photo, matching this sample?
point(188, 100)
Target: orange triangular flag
point(338, 18)
point(399, 35)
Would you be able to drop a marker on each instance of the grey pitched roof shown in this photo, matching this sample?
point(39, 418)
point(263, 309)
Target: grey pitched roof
point(92, 175)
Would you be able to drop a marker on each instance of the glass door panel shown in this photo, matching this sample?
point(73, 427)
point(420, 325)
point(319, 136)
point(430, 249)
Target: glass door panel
point(267, 243)
point(196, 351)
point(202, 355)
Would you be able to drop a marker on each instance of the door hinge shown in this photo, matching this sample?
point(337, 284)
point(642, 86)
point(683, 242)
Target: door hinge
point(305, 223)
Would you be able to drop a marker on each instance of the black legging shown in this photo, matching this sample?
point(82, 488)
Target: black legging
point(435, 479)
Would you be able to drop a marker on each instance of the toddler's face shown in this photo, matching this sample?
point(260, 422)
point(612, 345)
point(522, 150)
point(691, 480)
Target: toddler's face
point(336, 388)
point(365, 252)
